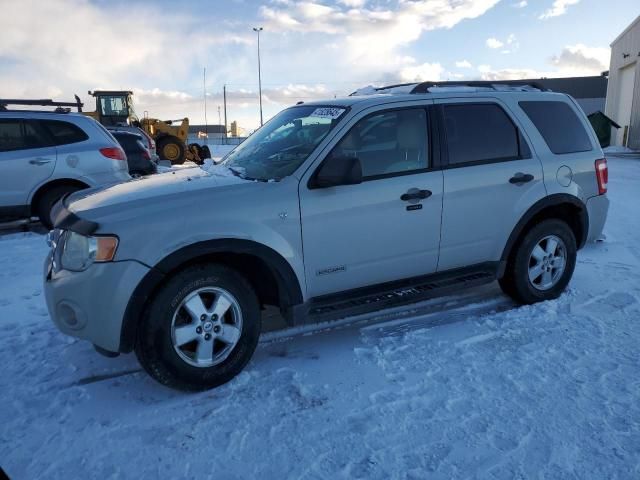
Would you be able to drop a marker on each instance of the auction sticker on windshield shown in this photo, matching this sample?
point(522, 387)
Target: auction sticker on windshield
point(327, 112)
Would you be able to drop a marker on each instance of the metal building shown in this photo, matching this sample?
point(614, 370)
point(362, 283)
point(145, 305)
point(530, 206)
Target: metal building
point(623, 92)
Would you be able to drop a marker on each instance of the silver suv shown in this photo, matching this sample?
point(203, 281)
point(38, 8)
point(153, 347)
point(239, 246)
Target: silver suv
point(331, 209)
point(46, 155)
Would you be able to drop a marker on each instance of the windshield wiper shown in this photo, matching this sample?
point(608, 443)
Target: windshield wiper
point(237, 173)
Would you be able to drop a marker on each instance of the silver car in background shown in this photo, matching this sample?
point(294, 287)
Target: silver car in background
point(46, 155)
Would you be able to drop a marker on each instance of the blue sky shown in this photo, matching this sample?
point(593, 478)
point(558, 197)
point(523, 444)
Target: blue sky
point(310, 49)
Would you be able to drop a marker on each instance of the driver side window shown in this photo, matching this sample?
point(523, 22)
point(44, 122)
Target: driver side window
point(388, 143)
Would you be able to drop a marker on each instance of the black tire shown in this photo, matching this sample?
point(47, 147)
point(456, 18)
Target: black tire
point(171, 143)
point(154, 346)
point(196, 150)
point(515, 281)
point(48, 199)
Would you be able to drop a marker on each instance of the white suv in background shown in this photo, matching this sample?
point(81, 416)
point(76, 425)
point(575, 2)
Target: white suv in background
point(45, 155)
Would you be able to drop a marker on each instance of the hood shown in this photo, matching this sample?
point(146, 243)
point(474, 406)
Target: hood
point(175, 182)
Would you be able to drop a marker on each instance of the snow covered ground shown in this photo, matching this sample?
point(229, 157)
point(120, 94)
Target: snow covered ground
point(468, 386)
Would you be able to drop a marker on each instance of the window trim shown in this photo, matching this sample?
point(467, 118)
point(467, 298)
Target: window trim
point(433, 160)
point(444, 151)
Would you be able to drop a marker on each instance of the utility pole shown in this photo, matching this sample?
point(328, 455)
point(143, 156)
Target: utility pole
point(224, 94)
point(204, 89)
point(258, 30)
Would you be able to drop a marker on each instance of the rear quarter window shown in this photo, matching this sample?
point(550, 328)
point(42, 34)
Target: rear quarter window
point(64, 133)
point(559, 125)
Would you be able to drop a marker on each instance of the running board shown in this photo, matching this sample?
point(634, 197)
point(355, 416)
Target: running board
point(393, 294)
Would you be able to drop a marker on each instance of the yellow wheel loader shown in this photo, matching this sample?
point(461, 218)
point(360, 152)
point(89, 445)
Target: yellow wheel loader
point(115, 108)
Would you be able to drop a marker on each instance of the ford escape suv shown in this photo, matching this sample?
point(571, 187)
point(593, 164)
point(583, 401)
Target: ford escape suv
point(46, 155)
point(331, 209)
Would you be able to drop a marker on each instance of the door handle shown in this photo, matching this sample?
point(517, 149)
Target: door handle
point(39, 161)
point(415, 194)
point(521, 178)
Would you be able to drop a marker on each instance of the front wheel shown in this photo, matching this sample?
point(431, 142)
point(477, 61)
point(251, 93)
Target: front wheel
point(542, 264)
point(201, 328)
point(171, 148)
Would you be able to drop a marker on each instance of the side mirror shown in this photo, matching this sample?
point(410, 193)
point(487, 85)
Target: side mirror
point(336, 171)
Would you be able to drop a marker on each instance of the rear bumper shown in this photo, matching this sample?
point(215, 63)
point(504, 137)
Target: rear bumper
point(90, 305)
point(597, 209)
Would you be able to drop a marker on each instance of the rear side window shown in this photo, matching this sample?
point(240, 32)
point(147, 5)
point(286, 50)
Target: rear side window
point(480, 133)
point(35, 136)
point(64, 133)
point(11, 137)
point(559, 126)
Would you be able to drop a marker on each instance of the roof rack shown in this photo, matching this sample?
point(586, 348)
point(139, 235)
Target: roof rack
point(512, 85)
point(479, 85)
point(61, 107)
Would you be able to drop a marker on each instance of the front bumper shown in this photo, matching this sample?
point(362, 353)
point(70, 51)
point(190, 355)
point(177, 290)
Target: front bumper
point(597, 209)
point(91, 304)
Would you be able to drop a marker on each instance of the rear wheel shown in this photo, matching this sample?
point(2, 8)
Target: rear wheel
point(171, 148)
point(201, 329)
point(542, 263)
point(48, 199)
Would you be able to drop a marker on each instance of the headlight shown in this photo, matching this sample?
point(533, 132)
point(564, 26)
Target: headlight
point(80, 251)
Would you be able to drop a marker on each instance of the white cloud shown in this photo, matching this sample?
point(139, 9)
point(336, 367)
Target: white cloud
point(353, 3)
point(582, 60)
point(559, 7)
point(521, 4)
point(371, 35)
point(487, 73)
point(572, 61)
point(463, 64)
point(421, 73)
point(511, 43)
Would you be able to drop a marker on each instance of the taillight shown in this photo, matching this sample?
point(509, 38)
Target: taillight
point(145, 154)
point(602, 175)
point(115, 153)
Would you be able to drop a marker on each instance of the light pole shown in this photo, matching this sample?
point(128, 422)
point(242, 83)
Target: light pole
point(258, 30)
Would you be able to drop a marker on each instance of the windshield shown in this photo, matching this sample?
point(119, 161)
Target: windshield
point(283, 143)
point(114, 105)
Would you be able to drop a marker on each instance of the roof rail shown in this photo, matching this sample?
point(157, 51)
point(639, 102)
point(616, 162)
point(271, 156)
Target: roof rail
point(425, 87)
point(491, 84)
point(60, 106)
